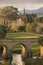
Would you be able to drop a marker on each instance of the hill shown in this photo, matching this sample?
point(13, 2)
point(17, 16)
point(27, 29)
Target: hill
point(37, 11)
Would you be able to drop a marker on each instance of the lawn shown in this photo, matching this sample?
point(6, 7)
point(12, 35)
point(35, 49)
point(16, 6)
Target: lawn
point(17, 35)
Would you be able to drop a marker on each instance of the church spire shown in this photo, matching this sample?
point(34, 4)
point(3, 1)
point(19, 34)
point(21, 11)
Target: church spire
point(24, 11)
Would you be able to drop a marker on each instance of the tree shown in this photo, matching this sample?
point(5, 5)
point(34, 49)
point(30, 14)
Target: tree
point(30, 27)
point(30, 17)
point(21, 28)
point(10, 12)
point(3, 31)
point(24, 18)
point(34, 26)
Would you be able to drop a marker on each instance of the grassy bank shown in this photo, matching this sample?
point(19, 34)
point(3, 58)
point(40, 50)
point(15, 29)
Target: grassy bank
point(22, 35)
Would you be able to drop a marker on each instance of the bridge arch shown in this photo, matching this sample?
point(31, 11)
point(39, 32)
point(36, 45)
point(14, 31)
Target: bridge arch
point(5, 54)
point(23, 49)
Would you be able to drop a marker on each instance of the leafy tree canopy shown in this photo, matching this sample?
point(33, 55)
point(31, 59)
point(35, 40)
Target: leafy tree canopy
point(10, 12)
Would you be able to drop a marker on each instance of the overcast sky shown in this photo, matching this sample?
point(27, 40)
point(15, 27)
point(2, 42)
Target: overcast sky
point(20, 4)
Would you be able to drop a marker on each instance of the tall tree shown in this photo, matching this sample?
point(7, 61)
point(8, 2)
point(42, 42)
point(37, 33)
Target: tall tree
point(10, 12)
point(3, 31)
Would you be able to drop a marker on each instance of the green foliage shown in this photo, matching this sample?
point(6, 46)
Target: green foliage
point(3, 31)
point(40, 40)
point(10, 13)
point(35, 49)
point(28, 18)
point(17, 47)
point(24, 18)
point(30, 27)
point(31, 17)
point(18, 35)
point(41, 30)
point(41, 19)
point(21, 28)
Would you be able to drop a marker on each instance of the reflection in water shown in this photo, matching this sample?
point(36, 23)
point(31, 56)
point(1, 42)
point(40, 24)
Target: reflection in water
point(17, 60)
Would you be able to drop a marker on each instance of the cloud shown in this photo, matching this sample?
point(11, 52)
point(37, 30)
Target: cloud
point(28, 4)
point(21, 1)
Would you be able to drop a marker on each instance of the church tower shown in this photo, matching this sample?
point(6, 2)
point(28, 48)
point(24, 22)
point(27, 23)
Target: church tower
point(24, 11)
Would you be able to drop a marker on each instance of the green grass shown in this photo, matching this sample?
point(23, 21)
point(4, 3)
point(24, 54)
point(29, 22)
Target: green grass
point(17, 47)
point(35, 48)
point(16, 35)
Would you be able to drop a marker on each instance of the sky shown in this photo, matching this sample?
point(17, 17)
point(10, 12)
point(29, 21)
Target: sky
point(20, 4)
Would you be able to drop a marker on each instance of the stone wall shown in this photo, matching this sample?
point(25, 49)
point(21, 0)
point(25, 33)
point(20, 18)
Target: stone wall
point(27, 42)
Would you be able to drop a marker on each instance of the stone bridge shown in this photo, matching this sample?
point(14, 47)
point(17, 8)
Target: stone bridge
point(26, 41)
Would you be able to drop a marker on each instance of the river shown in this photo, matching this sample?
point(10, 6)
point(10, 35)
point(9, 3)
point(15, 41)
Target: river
point(17, 60)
